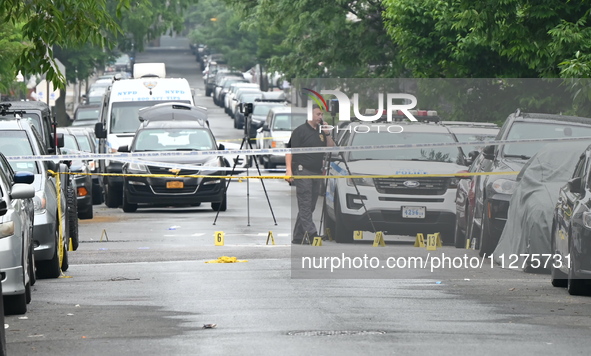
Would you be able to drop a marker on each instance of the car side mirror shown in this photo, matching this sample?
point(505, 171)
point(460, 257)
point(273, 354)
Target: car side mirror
point(265, 127)
point(24, 177)
point(221, 147)
point(3, 208)
point(489, 152)
point(99, 130)
point(574, 185)
point(123, 148)
point(59, 137)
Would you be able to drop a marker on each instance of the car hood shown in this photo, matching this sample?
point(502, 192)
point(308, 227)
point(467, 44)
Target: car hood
point(393, 167)
point(281, 135)
point(186, 160)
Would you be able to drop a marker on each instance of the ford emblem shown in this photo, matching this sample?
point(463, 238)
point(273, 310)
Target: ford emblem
point(411, 184)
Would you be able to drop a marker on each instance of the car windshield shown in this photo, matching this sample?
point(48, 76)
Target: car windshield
point(84, 143)
point(228, 82)
point(249, 98)
point(439, 154)
point(467, 137)
point(261, 110)
point(87, 114)
point(288, 122)
point(70, 143)
point(34, 120)
point(537, 130)
point(16, 143)
point(124, 115)
point(174, 139)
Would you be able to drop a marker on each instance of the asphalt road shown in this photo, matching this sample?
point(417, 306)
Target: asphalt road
point(139, 284)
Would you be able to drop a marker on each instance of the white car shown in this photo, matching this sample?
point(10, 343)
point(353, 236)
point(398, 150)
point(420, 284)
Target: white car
point(395, 205)
point(16, 237)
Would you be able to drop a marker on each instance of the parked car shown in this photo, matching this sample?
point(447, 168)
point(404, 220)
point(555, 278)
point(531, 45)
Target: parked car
point(276, 132)
point(492, 201)
point(222, 86)
point(471, 132)
point(17, 264)
point(237, 99)
point(89, 143)
point(571, 231)
point(244, 98)
point(400, 205)
point(228, 98)
point(177, 134)
point(51, 230)
point(86, 115)
point(528, 230)
point(260, 110)
point(82, 177)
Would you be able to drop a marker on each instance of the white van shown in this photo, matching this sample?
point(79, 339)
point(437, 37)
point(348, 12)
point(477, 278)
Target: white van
point(119, 120)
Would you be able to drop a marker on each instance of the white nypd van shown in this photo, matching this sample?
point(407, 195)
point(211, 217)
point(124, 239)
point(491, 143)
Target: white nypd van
point(119, 120)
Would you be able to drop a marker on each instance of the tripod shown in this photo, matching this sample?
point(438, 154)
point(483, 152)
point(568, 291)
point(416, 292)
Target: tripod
point(246, 141)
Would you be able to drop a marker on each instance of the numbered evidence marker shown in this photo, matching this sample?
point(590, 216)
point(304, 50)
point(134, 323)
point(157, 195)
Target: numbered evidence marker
point(431, 242)
point(358, 235)
point(317, 241)
point(219, 238)
point(379, 239)
point(420, 240)
point(270, 237)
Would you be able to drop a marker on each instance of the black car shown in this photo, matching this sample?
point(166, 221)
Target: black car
point(494, 192)
point(81, 174)
point(176, 189)
point(571, 231)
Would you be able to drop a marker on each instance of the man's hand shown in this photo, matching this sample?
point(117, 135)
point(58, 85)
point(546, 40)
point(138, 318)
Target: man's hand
point(289, 175)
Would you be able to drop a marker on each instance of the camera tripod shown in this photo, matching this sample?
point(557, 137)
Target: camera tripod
point(244, 144)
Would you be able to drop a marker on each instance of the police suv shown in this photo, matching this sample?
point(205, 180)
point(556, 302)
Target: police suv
point(423, 202)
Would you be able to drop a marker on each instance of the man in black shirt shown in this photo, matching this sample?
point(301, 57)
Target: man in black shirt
point(307, 135)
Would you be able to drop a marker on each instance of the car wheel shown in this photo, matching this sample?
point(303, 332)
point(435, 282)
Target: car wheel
point(486, 245)
point(342, 233)
point(32, 268)
point(51, 268)
point(73, 218)
point(207, 92)
point(459, 237)
point(28, 292)
point(127, 206)
point(97, 194)
point(65, 261)
point(269, 165)
point(220, 206)
point(575, 286)
point(235, 123)
point(112, 197)
point(557, 277)
point(88, 214)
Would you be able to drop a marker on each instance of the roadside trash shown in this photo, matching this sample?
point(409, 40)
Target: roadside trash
point(143, 248)
point(5, 326)
point(209, 326)
point(466, 279)
point(438, 282)
point(173, 227)
point(23, 318)
point(103, 249)
point(226, 259)
point(69, 314)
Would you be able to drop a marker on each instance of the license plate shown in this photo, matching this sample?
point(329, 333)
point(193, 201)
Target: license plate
point(413, 212)
point(174, 185)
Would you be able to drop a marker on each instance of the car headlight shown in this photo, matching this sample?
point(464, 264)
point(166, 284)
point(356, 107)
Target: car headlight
point(6, 229)
point(137, 168)
point(277, 144)
point(40, 202)
point(504, 186)
point(366, 182)
point(92, 166)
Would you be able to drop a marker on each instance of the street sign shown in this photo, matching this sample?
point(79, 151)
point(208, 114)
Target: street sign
point(41, 90)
